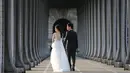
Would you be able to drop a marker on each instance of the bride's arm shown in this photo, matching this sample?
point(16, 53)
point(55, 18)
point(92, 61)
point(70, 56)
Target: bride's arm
point(53, 37)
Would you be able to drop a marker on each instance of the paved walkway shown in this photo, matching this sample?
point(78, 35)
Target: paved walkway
point(82, 66)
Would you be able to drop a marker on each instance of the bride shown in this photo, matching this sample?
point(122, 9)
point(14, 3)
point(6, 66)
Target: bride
point(58, 59)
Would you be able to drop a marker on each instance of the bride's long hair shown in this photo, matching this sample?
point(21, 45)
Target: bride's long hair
point(59, 29)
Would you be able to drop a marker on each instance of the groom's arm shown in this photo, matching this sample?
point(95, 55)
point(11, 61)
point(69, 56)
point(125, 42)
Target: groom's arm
point(76, 41)
point(66, 39)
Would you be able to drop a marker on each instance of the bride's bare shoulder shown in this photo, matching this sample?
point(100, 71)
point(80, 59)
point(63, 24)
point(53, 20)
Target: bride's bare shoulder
point(54, 33)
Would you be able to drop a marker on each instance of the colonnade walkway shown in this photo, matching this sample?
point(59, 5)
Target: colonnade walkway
point(82, 66)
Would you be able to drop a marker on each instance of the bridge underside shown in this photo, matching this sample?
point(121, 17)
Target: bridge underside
point(103, 32)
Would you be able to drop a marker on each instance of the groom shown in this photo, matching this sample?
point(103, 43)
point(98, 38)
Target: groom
point(72, 45)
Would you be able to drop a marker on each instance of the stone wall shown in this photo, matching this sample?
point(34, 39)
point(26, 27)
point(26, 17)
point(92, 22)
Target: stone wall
point(55, 14)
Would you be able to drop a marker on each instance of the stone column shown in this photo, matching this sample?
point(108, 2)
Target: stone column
point(86, 28)
point(117, 58)
point(37, 23)
point(26, 34)
point(79, 15)
point(99, 30)
point(79, 32)
point(89, 29)
point(103, 29)
point(46, 29)
point(127, 60)
point(123, 30)
point(19, 35)
point(39, 33)
point(92, 18)
point(1, 35)
point(34, 31)
point(10, 38)
point(31, 55)
point(43, 30)
point(128, 10)
point(84, 31)
point(114, 23)
point(109, 35)
point(36, 37)
point(43, 16)
point(94, 30)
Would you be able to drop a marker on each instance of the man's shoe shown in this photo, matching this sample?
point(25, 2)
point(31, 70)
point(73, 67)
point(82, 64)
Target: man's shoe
point(73, 69)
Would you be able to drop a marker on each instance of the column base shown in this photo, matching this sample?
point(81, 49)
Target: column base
point(110, 62)
point(104, 61)
point(95, 58)
point(18, 70)
point(88, 58)
point(27, 67)
point(91, 58)
point(127, 67)
point(36, 63)
point(32, 64)
point(39, 61)
point(118, 64)
point(98, 59)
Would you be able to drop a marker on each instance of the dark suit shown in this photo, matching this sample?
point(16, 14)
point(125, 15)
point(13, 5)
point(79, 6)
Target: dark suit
point(71, 46)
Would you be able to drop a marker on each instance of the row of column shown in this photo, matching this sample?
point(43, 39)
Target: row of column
point(103, 28)
point(25, 34)
point(1, 37)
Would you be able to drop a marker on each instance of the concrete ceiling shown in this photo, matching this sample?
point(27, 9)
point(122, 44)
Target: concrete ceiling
point(65, 3)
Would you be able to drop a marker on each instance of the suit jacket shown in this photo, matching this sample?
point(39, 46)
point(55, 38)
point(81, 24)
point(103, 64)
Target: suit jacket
point(72, 40)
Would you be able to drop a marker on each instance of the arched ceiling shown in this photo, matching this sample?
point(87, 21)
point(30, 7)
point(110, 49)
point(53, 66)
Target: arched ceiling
point(65, 3)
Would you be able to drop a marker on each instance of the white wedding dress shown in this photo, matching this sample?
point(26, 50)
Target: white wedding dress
point(58, 58)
